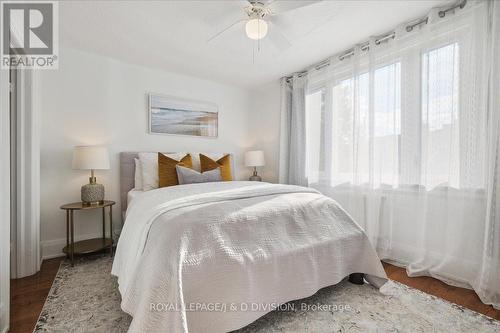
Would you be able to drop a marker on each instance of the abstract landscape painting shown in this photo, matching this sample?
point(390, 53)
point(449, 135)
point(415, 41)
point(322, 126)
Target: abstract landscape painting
point(171, 115)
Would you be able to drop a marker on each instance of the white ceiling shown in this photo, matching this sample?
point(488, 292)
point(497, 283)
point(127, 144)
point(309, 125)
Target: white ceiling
point(172, 35)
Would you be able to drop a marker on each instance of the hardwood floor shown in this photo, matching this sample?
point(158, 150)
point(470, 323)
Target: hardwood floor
point(465, 297)
point(28, 294)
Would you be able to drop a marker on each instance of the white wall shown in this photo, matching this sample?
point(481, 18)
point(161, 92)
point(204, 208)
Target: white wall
point(97, 100)
point(265, 127)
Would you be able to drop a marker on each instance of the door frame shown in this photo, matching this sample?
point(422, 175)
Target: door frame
point(4, 201)
point(13, 87)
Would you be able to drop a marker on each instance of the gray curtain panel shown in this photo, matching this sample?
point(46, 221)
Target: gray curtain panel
point(293, 131)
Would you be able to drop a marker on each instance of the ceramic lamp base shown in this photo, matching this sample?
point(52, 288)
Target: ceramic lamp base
point(255, 178)
point(92, 194)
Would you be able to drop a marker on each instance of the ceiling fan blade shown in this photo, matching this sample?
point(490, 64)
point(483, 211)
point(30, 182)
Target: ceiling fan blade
point(281, 6)
point(277, 38)
point(225, 29)
point(226, 13)
point(322, 13)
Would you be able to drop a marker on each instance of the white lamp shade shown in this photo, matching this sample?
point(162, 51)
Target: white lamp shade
point(256, 28)
point(254, 158)
point(90, 158)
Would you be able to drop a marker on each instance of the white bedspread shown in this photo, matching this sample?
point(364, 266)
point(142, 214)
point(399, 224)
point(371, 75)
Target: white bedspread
point(133, 193)
point(214, 257)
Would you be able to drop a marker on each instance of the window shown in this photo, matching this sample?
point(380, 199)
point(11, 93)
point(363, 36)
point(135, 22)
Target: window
point(387, 124)
point(314, 134)
point(351, 128)
point(396, 124)
point(350, 131)
point(440, 128)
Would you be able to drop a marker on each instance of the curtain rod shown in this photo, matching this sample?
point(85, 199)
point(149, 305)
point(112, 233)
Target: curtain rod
point(388, 35)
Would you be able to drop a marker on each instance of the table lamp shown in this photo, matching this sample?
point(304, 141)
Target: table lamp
point(254, 159)
point(91, 158)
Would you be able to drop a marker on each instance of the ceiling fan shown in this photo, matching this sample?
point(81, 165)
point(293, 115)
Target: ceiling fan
point(260, 18)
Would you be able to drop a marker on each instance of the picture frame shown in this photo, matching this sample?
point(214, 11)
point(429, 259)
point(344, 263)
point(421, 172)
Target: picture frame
point(169, 115)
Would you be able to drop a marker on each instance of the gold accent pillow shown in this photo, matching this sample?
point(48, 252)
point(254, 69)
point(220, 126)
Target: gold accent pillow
point(167, 174)
point(224, 163)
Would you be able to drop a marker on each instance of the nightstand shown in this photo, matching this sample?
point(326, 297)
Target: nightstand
point(89, 245)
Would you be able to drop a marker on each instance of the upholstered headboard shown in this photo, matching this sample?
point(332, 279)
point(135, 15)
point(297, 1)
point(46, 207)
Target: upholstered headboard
point(127, 173)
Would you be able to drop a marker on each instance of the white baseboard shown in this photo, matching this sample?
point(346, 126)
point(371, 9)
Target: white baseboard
point(53, 248)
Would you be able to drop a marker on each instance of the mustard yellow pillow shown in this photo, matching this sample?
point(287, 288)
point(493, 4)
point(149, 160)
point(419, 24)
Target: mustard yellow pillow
point(167, 175)
point(224, 163)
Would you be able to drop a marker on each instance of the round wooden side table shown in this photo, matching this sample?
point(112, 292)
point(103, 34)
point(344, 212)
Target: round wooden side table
point(89, 245)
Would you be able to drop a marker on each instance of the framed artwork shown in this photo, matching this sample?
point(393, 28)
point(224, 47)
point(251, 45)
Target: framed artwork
point(177, 116)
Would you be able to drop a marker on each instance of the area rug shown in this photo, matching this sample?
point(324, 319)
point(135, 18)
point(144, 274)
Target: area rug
point(85, 298)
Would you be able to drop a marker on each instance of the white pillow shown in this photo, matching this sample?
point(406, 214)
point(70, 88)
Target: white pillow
point(149, 163)
point(138, 174)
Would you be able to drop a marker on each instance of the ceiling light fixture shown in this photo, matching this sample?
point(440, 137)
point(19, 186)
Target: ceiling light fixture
point(256, 28)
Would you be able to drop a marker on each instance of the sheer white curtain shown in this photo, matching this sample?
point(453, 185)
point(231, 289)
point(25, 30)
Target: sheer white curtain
point(405, 137)
point(487, 282)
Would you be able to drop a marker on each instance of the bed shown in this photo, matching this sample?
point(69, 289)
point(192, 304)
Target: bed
point(214, 257)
